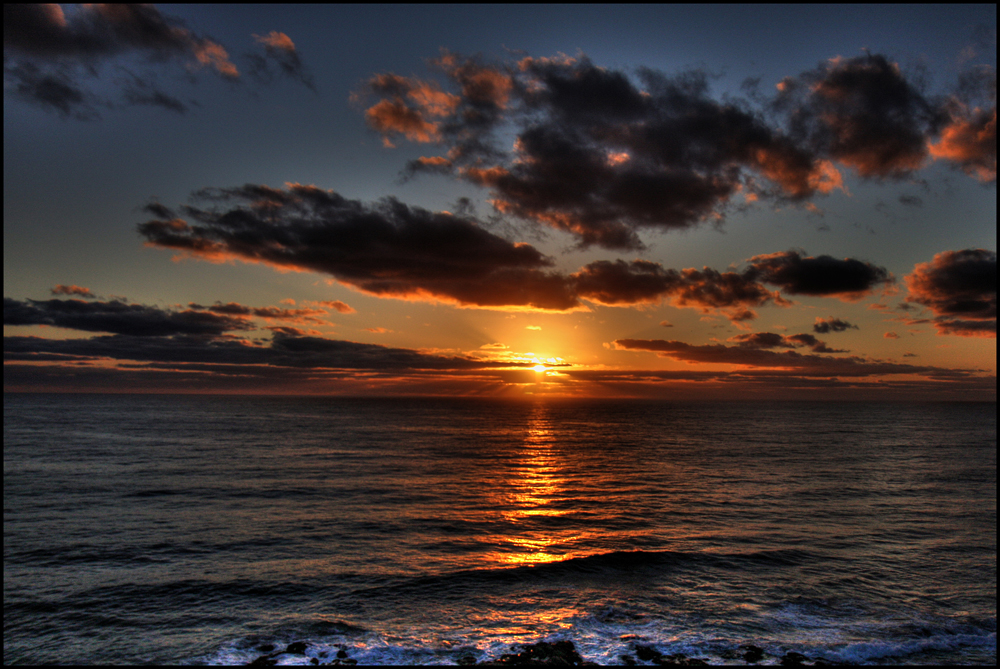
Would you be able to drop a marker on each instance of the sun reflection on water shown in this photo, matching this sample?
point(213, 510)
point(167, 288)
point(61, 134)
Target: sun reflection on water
point(536, 491)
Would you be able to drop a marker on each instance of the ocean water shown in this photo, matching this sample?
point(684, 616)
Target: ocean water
point(184, 529)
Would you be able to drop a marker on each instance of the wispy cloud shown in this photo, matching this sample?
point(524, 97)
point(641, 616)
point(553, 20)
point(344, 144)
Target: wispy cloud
point(59, 59)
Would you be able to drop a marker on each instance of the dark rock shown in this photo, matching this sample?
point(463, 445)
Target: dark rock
point(266, 648)
point(752, 654)
point(647, 653)
point(466, 661)
point(793, 659)
point(341, 654)
point(558, 654)
point(297, 648)
point(628, 660)
point(349, 662)
point(314, 661)
point(263, 661)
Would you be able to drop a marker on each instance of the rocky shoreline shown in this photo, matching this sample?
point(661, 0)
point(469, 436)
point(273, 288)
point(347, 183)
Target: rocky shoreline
point(555, 654)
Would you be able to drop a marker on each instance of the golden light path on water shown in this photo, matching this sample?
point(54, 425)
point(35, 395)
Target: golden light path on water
point(538, 483)
point(538, 490)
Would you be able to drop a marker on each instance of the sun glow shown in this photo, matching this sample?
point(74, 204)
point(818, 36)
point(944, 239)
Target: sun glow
point(539, 368)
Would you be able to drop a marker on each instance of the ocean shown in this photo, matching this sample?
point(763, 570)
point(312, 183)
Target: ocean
point(209, 529)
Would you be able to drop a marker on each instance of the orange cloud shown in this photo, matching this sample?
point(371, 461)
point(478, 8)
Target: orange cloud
point(208, 52)
point(394, 116)
point(970, 140)
point(72, 290)
point(484, 177)
point(337, 305)
point(434, 161)
point(276, 40)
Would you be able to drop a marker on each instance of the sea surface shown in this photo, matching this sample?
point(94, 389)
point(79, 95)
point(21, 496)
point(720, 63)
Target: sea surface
point(195, 529)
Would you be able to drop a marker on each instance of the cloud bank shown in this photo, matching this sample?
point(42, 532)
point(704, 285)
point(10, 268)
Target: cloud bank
point(759, 356)
point(394, 250)
point(602, 154)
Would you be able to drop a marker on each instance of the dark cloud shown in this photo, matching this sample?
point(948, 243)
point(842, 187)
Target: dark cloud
point(53, 90)
point(966, 328)
point(960, 287)
point(750, 356)
point(387, 249)
point(597, 154)
point(55, 58)
point(137, 91)
point(603, 154)
point(848, 279)
point(268, 313)
point(824, 326)
point(969, 137)
point(137, 320)
point(641, 281)
point(159, 210)
point(911, 201)
point(100, 30)
point(280, 50)
point(863, 112)
point(766, 340)
point(49, 54)
point(284, 350)
point(392, 250)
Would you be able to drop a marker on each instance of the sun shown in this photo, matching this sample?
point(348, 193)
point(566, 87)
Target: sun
point(539, 368)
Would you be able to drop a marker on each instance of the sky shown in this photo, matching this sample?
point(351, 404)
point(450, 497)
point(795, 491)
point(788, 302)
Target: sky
point(678, 202)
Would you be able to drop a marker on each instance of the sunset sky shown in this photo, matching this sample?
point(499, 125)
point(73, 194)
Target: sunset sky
point(645, 201)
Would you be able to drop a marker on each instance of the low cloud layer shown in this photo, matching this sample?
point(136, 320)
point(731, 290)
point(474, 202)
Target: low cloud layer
point(137, 320)
point(825, 325)
point(284, 350)
point(822, 276)
point(756, 356)
point(960, 288)
point(267, 313)
point(390, 249)
point(768, 340)
point(622, 283)
point(387, 249)
point(603, 154)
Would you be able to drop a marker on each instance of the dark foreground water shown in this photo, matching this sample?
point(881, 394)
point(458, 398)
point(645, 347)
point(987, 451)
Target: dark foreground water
point(199, 529)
